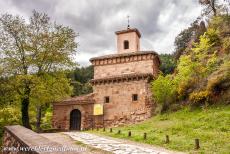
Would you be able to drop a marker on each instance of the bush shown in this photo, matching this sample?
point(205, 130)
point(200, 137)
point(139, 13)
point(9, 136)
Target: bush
point(199, 98)
point(8, 116)
point(185, 88)
point(220, 79)
point(164, 91)
point(46, 120)
point(226, 45)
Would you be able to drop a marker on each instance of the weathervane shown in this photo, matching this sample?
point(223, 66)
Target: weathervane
point(128, 22)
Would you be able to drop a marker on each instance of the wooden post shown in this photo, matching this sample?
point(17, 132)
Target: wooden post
point(145, 136)
point(104, 129)
point(197, 143)
point(92, 122)
point(167, 139)
point(129, 134)
point(111, 130)
point(119, 132)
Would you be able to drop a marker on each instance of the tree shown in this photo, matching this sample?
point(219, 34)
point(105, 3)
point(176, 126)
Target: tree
point(80, 78)
point(211, 6)
point(185, 39)
point(83, 74)
point(31, 49)
point(48, 88)
point(164, 91)
point(168, 63)
point(215, 7)
point(204, 58)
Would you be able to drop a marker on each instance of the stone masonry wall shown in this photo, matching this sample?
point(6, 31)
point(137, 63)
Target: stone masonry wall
point(134, 42)
point(122, 109)
point(20, 140)
point(10, 141)
point(61, 115)
point(103, 71)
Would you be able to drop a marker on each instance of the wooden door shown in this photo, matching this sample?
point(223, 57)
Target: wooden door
point(75, 120)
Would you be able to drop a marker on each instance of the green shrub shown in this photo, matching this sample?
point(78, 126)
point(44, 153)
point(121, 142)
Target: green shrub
point(220, 79)
point(199, 98)
point(226, 45)
point(8, 116)
point(164, 91)
point(46, 120)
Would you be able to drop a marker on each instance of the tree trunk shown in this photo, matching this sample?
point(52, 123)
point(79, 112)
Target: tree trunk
point(38, 118)
point(165, 107)
point(25, 108)
point(213, 7)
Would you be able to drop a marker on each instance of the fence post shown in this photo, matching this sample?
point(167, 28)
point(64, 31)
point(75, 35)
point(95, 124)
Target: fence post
point(111, 130)
point(129, 134)
point(167, 139)
point(145, 136)
point(197, 143)
point(119, 132)
point(104, 129)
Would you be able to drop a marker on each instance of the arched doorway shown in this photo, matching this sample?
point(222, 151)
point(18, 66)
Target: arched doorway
point(75, 120)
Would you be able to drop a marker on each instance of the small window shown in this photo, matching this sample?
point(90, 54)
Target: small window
point(106, 99)
point(126, 44)
point(135, 97)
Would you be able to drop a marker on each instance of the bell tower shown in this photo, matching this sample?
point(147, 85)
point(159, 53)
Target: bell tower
point(128, 40)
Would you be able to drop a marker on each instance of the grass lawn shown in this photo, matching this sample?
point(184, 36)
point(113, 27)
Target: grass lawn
point(211, 126)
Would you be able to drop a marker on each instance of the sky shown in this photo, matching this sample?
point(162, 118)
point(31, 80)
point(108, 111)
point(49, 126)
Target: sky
point(159, 21)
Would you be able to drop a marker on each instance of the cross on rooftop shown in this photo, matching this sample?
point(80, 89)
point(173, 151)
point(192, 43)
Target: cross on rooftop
point(128, 22)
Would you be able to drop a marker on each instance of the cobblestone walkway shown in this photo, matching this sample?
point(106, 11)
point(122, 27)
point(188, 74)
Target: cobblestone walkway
point(114, 145)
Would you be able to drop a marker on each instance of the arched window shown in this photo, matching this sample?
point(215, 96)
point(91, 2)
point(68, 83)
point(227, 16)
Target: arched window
point(126, 44)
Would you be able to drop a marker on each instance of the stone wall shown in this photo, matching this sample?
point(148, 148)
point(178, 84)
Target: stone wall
point(121, 64)
point(20, 140)
point(134, 42)
point(121, 69)
point(61, 115)
point(122, 109)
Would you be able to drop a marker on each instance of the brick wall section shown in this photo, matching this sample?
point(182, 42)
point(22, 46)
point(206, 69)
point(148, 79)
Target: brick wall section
point(18, 136)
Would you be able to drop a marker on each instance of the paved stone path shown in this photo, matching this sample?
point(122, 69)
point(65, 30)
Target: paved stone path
point(68, 142)
point(114, 145)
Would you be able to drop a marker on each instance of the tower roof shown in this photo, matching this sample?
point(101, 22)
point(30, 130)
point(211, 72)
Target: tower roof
point(128, 31)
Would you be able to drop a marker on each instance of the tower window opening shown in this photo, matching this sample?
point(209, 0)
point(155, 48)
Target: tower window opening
point(126, 44)
point(134, 97)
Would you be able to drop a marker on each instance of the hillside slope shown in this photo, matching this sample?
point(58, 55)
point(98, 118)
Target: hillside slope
point(210, 125)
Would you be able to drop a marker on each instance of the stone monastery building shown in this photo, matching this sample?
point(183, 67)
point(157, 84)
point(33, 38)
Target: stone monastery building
point(121, 88)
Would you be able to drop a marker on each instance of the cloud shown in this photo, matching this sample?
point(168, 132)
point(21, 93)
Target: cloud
point(159, 21)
